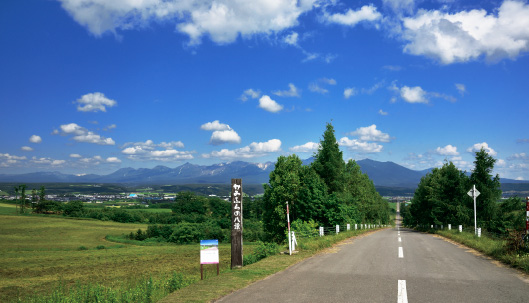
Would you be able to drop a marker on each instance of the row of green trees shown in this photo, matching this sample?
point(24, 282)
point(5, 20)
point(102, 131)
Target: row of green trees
point(441, 198)
point(328, 192)
point(22, 202)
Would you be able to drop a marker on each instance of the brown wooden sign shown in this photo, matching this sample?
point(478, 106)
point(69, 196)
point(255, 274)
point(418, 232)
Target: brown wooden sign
point(236, 223)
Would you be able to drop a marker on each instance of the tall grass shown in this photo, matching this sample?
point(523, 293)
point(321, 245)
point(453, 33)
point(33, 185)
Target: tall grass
point(495, 248)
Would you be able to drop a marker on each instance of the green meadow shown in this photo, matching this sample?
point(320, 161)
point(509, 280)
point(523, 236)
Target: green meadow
point(41, 255)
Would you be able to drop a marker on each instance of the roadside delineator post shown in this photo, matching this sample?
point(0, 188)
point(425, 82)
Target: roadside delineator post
point(337, 229)
point(348, 226)
point(460, 228)
point(449, 226)
point(321, 231)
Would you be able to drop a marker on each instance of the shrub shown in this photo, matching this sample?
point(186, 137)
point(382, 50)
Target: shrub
point(82, 248)
point(100, 247)
point(261, 251)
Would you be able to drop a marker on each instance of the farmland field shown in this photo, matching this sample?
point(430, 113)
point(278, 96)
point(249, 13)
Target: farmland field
point(39, 254)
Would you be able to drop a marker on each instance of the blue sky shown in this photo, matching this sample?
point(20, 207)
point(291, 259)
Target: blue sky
point(90, 86)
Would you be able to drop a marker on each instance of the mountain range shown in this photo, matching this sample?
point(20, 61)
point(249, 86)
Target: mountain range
point(387, 174)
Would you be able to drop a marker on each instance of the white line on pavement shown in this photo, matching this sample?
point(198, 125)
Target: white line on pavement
point(402, 296)
point(401, 253)
point(400, 239)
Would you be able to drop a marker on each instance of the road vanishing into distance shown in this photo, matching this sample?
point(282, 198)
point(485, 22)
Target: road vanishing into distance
point(392, 265)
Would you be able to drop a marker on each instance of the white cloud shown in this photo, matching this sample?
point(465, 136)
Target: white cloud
point(360, 146)
point(291, 39)
point(26, 148)
point(400, 7)
point(349, 92)
point(222, 20)
point(254, 150)
point(224, 136)
point(372, 89)
point(371, 133)
point(448, 150)
point(467, 35)
point(329, 81)
point(113, 160)
point(35, 139)
point(383, 113)
point(413, 94)
point(305, 148)
point(292, 92)
point(266, 103)
point(520, 156)
point(150, 151)
point(215, 125)
point(94, 102)
point(254, 94)
point(461, 88)
point(81, 134)
point(478, 146)
point(315, 88)
point(75, 156)
point(352, 17)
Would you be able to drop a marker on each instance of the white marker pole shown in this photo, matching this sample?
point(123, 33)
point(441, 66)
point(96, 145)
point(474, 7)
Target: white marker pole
point(289, 236)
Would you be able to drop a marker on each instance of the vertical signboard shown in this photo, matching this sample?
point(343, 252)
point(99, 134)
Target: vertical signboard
point(236, 223)
point(527, 216)
point(209, 254)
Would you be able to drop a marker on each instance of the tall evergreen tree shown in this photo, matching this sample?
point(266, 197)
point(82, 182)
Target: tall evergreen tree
point(489, 188)
point(328, 161)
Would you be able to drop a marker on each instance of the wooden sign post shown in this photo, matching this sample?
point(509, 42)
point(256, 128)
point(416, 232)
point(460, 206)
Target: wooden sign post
point(236, 223)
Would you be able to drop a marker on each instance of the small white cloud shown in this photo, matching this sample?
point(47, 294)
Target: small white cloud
point(461, 88)
point(35, 139)
point(58, 162)
point(305, 148)
point(360, 146)
point(291, 39)
point(266, 103)
point(150, 151)
point(26, 148)
point(329, 81)
point(292, 92)
point(371, 133)
point(215, 125)
point(94, 102)
point(448, 150)
point(81, 134)
point(352, 17)
point(520, 156)
point(254, 94)
point(413, 94)
point(113, 160)
point(224, 136)
point(315, 88)
point(349, 92)
point(254, 150)
point(478, 146)
point(382, 113)
point(75, 156)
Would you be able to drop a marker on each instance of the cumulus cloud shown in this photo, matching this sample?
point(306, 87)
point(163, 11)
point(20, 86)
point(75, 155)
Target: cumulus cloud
point(222, 133)
point(35, 139)
point(349, 92)
point(7, 160)
point(448, 150)
point(266, 103)
point(254, 94)
point(468, 35)
point(75, 156)
point(26, 148)
point(353, 17)
point(360, 146)
point(81, 134)
point(113, 160)
point(520, 156)
point(223, 21)
point(291, 92)
point(461, 88)
point(478, 146)
point(215, 125)
point(382, 113)
point(254, 150)
point(150, 151)
point(291, 39)
point(371, 133)
point(305, 148)
point(413, 94)
point(400, 7)
point(94, 102)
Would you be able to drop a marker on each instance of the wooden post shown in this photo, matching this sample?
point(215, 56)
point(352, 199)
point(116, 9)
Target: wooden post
point(201, 272)
point(236, 223)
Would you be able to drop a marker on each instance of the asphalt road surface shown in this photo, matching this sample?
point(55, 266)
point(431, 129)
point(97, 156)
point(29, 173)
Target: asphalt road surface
point(392, 265)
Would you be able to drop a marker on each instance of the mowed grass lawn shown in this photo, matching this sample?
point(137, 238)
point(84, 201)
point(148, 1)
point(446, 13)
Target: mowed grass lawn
point(39, 253)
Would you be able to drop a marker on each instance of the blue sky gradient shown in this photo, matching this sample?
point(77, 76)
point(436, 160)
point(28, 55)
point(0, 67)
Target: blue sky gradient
point(90, 86)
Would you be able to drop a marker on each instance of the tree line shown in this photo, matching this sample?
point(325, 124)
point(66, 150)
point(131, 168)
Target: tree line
point(327, 192)
point(441, 198)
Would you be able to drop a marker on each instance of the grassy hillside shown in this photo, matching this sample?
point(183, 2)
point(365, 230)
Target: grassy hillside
point(41, 253)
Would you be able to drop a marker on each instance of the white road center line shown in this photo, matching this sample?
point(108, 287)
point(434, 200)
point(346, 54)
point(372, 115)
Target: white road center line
point(400, 239)
point(402, 295)
point(401, 253)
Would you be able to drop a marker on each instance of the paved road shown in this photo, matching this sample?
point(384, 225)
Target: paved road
point(380, 268)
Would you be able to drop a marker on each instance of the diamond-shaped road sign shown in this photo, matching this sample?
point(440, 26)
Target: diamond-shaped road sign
point(473, 192)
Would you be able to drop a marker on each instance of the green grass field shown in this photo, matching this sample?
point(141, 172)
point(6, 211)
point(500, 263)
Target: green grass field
point(41, 253)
